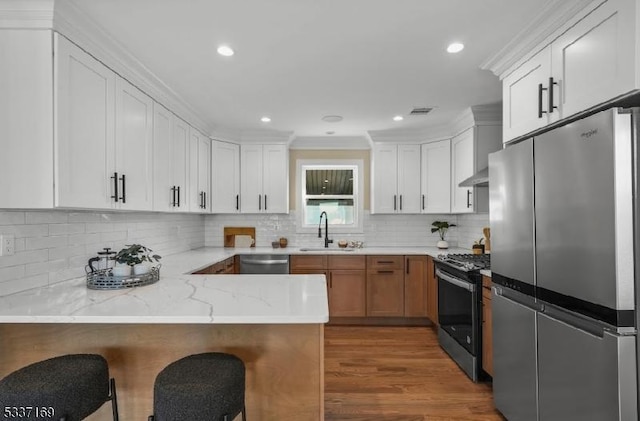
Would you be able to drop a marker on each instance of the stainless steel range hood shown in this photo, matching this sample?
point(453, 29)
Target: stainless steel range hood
point(479, 179)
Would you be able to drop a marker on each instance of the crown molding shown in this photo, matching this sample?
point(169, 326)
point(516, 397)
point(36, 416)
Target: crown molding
point(555, 17)
point(409, 136)
point(92, 37)
point(26, 14)
point(330, 143)
point(266, 136)
point(225, 134)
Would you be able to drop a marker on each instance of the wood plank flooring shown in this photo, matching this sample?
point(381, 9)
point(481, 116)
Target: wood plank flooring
point(398, 374)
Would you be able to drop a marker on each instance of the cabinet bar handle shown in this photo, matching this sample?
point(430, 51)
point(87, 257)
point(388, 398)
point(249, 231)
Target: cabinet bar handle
point(201, 200)
point(400, 202)
point(407, 264)
point(178, 196)
point(468, 198)
point(551, 84)
point(124, 187)
point(265, 202)
point(173, 196)
point(330, 280)
point(259, 202)
point(205, 200)
point(394, 202)
point(385, 271)
point(423, 202)
point(384, 262)
point(115, 187)
point(540, 111)
point(237, 202)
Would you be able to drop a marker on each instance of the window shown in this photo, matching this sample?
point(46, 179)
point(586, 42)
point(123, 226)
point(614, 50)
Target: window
point(330, 186)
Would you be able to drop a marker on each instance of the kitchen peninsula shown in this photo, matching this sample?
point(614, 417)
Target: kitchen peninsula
point(274, 323)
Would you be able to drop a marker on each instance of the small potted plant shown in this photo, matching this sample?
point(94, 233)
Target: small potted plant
point(441, 227)
point(134, 256)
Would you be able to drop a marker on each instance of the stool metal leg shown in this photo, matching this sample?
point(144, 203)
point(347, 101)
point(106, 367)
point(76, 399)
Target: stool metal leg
point(113, 396)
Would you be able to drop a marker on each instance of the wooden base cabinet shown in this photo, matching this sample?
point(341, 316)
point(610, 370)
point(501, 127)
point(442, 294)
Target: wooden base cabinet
point(385, 286)
point(432, 291)
point(346, 281)
point(416, 293)
point(487, 331)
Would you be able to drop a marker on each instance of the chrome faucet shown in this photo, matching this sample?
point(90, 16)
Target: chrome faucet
point(326, 229)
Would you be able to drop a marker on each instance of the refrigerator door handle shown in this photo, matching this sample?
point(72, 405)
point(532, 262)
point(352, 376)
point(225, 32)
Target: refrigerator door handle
point(517, 298)
point(575, 320)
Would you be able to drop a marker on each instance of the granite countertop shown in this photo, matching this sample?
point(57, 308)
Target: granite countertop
point(180, 297)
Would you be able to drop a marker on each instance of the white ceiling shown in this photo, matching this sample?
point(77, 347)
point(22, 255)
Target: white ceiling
point(297, 60)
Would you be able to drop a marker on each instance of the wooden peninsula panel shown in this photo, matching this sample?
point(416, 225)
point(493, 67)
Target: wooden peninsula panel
point(284, 362)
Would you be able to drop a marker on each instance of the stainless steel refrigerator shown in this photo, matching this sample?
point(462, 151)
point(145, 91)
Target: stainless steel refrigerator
point(563, 231)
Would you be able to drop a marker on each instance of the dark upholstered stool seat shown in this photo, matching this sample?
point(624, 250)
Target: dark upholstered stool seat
point(200, 387)
point(74, 386)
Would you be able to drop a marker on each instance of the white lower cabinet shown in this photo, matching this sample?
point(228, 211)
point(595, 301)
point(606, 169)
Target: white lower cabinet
point(264, 179)
point(170, 136)
point(436, 177)
point(199, 194)
point(225, 177)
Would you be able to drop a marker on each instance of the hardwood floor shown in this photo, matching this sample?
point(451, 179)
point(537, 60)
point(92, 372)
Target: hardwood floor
point(397, 374)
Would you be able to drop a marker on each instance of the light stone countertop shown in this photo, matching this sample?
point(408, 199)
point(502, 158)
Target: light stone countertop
point(179, 297)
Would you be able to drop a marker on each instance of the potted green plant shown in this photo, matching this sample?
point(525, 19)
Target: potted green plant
point(134, 256)
point(441, 227)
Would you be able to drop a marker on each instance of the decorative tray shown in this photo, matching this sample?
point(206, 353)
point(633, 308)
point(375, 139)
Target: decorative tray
point(104, 279)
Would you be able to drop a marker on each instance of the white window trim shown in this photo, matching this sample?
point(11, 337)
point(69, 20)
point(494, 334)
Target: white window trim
point(358, 226)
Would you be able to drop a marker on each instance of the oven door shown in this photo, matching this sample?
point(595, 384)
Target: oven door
point(458, 315)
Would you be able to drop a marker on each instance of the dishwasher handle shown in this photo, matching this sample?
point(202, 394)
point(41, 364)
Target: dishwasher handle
point(265, 262)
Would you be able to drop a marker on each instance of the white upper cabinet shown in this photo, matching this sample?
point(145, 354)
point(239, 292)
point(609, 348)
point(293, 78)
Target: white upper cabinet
point(84, 130)
point(396, 179)
point(590, 63)
point(469, 154)
point(170, 136)
point(436, 177)
point(525, 97)
point(225, 177)
point(103, 135)
point(134, 147)
point(594, 61)
point(199, 195)
point(264, 179)
point(26, 119)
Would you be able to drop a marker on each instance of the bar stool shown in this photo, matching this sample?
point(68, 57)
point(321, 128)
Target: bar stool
point(66, 388)
point(200, 387)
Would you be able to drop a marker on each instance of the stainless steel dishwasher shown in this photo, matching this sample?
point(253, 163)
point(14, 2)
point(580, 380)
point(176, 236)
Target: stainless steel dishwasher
point(264, 263)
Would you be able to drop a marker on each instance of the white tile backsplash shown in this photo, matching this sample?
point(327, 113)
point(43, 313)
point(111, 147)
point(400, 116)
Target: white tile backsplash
point(54, 245)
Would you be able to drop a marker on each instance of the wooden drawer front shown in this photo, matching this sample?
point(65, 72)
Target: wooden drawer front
point(385, 262)
point(486, 294)
point(346, 262)
point(307, 262)
point(486, 282)
point(229, 266)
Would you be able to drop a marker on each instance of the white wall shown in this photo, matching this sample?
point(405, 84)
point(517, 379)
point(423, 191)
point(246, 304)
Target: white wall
point(53, 246)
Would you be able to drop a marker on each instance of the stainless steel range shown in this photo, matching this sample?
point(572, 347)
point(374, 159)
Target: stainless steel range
point(459, 308)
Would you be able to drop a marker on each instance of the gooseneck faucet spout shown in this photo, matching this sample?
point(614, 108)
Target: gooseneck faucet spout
point(326, 229)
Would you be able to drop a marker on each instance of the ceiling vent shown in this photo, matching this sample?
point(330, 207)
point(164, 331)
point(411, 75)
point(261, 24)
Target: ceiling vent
point(421, 111)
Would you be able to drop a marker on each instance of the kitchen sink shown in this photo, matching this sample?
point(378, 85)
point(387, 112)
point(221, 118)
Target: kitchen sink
point(324, 249)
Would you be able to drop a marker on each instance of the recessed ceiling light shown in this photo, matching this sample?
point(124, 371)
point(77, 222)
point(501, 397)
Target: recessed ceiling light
point(326, 181)
point(265, 119)
point(332, 118)
point(225, 50)
point(455, 47)
point(398, 118)
point(330, 132)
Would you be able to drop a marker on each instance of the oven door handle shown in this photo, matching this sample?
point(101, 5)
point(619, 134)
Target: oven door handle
point(457, 282)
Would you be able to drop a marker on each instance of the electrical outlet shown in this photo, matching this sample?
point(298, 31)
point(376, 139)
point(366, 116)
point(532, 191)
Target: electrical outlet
point(7, 245)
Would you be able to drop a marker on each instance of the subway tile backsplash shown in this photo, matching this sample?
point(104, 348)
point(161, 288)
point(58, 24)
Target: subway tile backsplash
point(54, 245)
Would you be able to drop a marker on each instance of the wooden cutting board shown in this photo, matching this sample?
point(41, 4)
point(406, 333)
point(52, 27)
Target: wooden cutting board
point(231, 232)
